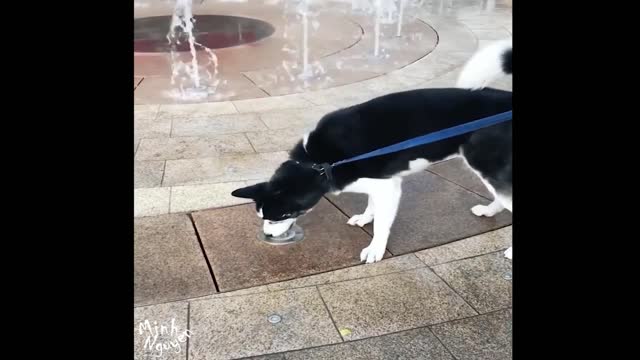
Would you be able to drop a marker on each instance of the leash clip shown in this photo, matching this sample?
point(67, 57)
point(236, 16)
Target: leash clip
point(323, 169)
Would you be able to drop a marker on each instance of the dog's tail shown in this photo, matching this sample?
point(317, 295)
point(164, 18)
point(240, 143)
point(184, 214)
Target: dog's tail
point(487, 65)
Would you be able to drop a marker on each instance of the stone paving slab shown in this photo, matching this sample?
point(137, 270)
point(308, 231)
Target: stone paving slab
point(295, 118)
point(272, 103)
point(233, 327)
point(171, 341)
point(168, 262)
point(192, 147)
point(433, 211)
point(410, 344)
point(277, 140)
point(240, 260)
point(483, 281)
point(146, 125)
point(207, 109)
point(223, 168)
point(386, 266)
point(476, 245)
point(207, 196)
point(147, 174)
point(389, 303)
point(484, 337)
point(216, 125)
point(151, 201)
point(456, 171)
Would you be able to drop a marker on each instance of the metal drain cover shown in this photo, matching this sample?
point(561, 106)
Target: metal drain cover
point(274, 319)
point(292, 236)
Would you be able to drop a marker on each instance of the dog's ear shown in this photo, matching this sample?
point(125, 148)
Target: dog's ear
point(251, 192)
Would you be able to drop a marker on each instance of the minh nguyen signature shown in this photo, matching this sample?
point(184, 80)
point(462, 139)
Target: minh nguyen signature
point(160, 339)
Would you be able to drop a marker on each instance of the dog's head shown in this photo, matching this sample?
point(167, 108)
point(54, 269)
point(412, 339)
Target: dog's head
point(292, 191)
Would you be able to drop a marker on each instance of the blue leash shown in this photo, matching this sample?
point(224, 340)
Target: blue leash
point(420, 140)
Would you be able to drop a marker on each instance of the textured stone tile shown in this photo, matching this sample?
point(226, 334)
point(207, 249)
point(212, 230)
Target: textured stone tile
point(168, 262)
point(295, 118)
point(159, 90)
point(457, 40)
point(198, 197)
point(239, 259)
point(456, 171)
point(268, 357)
point(483, 281)
point(389, 303)
point(145, 319)
point(216, 125)
point(192, 147)
point(277, 140)
point(432, 212)
point(271, 103)
point(149, 110)
point(271, 80)
point(151, 201)
point(224, 168)
point(390, 265)
point(145, 111)
point(446, 80)
point(234, 327)
point(342, 96)
point(391, 83)
point(147, 174)
point(493, 34)
point(487, 23)
point(482, 337)
point(147, 126)
point(435, 64)
point(136, 81)
point(488, 242)
point(241, 292)
point(410, 344)
point(196, 110)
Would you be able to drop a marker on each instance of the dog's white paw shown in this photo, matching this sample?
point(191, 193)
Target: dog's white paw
point(482, 210)
point(372, 253)
point(360, 220)
point(508, 253)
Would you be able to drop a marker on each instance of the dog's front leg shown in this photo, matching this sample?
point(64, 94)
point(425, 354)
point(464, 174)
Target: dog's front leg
point(385, 194)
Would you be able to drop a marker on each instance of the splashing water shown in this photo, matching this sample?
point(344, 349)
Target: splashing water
point(400, 15)
point(187, 74)
point(301, 69)
point(376, 29)
point(304, 10)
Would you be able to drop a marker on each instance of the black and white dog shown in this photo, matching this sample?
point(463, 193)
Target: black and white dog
point(298, 185)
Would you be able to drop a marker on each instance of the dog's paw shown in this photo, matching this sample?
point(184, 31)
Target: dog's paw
point(508, 253)
point(360, 220)
point(482, 210)
point(372, 253)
